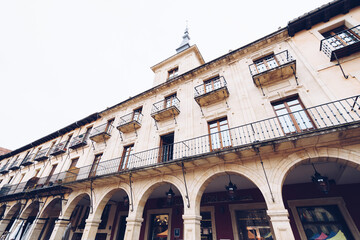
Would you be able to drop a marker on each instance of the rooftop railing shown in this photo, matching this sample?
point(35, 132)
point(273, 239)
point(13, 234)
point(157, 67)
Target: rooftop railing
point(271, 62)
point(321, 117)
point(128, 118)
point(210, 86)
point(165, 104)
point(348, 39)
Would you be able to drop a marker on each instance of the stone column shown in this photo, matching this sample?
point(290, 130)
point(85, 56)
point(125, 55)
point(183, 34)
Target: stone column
point(36, 228)
point(59, 229)
point(91, 229)
point(192, 229)
point(133, 227)
point(3, 224)
point(281, 224)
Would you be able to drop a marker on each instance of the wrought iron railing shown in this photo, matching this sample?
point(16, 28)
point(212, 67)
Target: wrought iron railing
point(16, 164)
point(78, 141)
point(59, 148)
point(270, 62)
point(101, 129)
point(42, 154)
point(165, 104)
point(321, 117)
point(210, 86)
point(340, 40)
point(128, 118)
point(4, 169)
point(28, 159)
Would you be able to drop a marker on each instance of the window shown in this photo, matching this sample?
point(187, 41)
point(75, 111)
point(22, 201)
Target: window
point(73, 163)
point(87, 133)
point(159, 226)
point(266, 63)
point(50, 174)
point(137, 114)
point(341, 36)
point(206, 226)
point(292, 115)
point(173, 72)
point(166, 150)
point(109, 125)
point(125, 159)
point(212, 84)
point(219, 134)
point(95, 165)
point(170, 101)
point(253, 224)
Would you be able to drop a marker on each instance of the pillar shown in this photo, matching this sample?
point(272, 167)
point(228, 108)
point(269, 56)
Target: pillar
point(192, 230)
point(36, 228)
point(133, 227)
point(91, 229)
point(59, 229)
point(281, 224)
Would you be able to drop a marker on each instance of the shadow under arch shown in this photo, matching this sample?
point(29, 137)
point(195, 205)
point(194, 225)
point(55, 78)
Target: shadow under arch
point(30, 209)
point(207, 177)
point(148, 188)
point(14, 210)
point(2, 211)
point(72, 204)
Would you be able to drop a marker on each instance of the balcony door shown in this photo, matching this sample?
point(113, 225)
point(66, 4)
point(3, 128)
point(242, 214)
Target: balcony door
point(340, 37)
point(212, 84)
point(266, 63)
point(50, 174)
point(125, 159)
point(170, 101)
point(219, 134)
point(136, 114)
point(292, 116)
point(95, 165)
point(166, 150)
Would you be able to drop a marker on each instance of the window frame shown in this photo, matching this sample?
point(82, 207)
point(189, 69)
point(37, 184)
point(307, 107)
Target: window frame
point(173, 72)
point(124, 163)
point(212, 81)
point(293, 204)
point(219, 133)
point(291, 115)
point(95, 164)
point(265, 61)
point(150, 212)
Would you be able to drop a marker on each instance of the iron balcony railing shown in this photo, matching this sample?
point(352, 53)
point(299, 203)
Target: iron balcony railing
point(78, 141)
point(5, 169)
point(321, 117)
point(28, 159)
point(42, 154)
point(16, 164)
point(343, 43)
point(165, 104)
point(210, 86)
point(271, 62)
point(102, 129)
point(128, 118)
point(59, 148)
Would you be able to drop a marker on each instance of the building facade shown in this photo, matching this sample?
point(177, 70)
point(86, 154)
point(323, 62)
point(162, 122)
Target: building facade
point(260, 143)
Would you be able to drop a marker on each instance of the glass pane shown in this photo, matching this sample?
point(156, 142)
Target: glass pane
point(217, 84)
point(215, 141)
point(212, 125)
point(292, 102)
point(302, 120)
point(271, 62)
point(225, 136)
point(261, 67)
point(159, 227)
point(277, 106)
point(208, 87)
point(323, 222)
point(253, 225)
point(286, 124)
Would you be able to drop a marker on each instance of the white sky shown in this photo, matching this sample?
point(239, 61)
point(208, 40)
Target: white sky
point(61, 61)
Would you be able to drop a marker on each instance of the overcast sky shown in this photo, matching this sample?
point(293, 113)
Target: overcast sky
point(63, 60)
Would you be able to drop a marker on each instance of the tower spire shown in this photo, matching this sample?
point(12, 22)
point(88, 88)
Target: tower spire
point(185, 44)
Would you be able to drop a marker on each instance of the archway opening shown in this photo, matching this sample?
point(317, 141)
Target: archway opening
point(78, 217)
point(10, 217)
point(46, 223)
point(322, 198)
point(2, 211)
point(162, 213)
point(114, 210)
point(232, 207)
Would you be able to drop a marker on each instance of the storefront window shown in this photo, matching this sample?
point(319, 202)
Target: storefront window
point(323, 222)
point(159, 226)
point(206, 226)
point(253, 225)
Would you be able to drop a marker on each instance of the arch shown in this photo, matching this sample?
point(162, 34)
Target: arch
point(49, 205)
point(204, 179)
point(149, 186)
point(16, 207)
point(29, 208)
point(288, 163)
point(72, 202)
point(105, 197)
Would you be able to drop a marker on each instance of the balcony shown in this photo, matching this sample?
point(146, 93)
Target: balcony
point(78, 141)
point(42, 155)
point(341, 44)
point(28, 160)
point(5, 169)
point(273, 68)
point(101, 133)
point(130, 122)
point(326, 119)
point(165, 109)
point(16, 164)
point(59, 148)
point(211, 91)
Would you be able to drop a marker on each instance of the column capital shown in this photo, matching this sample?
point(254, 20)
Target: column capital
point(62, 222)
point(191, 217)
point(134, 220)
point(278, 215)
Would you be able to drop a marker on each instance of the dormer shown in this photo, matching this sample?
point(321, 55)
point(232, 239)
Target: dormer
point(187, 58)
